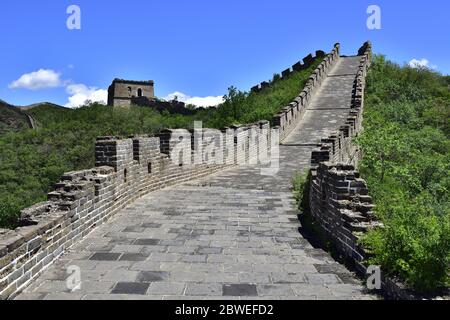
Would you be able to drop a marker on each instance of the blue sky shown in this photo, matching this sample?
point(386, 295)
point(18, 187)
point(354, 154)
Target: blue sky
point(197, 47)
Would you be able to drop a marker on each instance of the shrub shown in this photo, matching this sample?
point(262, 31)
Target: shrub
point(300, 188)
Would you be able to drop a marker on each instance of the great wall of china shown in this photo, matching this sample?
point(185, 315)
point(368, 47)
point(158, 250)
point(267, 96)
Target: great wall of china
point(144, 224)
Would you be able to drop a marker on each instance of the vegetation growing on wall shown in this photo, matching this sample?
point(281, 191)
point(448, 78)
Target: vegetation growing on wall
point(31, 161)
point(406, 165)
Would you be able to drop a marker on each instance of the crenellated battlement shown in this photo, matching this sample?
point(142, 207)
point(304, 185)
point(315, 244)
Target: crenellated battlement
point(287, 119)
point(304, 64)
point(338, 147)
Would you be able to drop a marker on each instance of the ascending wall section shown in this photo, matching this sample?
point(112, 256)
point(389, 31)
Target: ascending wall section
point(339, 199)
point(290, 116)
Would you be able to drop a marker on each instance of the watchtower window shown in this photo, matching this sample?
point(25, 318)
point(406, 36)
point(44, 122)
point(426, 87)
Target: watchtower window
point(139, 92)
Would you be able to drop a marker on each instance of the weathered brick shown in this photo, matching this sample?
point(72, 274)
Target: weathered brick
point(12, 242)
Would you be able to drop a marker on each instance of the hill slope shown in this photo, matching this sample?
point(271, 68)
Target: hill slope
point(17, 118)
point(406, 146)
point(45, 114)
point(12, 118)
point(36, 105)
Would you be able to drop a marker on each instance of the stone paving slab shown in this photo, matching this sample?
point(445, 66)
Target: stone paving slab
point(232, 235)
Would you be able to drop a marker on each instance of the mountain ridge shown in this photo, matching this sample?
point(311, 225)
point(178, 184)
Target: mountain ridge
point(16, 118)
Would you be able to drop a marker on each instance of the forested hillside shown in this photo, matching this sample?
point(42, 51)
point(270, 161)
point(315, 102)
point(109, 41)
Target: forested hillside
point(407, 166)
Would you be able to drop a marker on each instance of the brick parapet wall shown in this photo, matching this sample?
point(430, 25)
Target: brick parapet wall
point(340, 203)
point(298, 66)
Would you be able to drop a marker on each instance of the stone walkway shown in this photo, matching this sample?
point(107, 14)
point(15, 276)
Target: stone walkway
point(232, 235)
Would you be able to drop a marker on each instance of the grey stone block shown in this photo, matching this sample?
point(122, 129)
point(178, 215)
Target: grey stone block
point(130, 288)
point(204, 289)
point(241, 289)
point(105, 256)
point(152, 276)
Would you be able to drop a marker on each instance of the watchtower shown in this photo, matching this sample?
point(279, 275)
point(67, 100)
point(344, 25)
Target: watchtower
point(121, 92)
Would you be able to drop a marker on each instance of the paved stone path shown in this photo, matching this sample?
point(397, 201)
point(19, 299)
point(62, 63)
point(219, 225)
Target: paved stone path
point(232, 235)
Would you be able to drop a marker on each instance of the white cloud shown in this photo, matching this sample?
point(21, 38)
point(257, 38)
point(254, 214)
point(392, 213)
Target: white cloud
point(80, 93)
point(205, 101)
point(47, 78)
point(178, 95)
point(198, 101)
point(41, 79)
point(422, 63)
